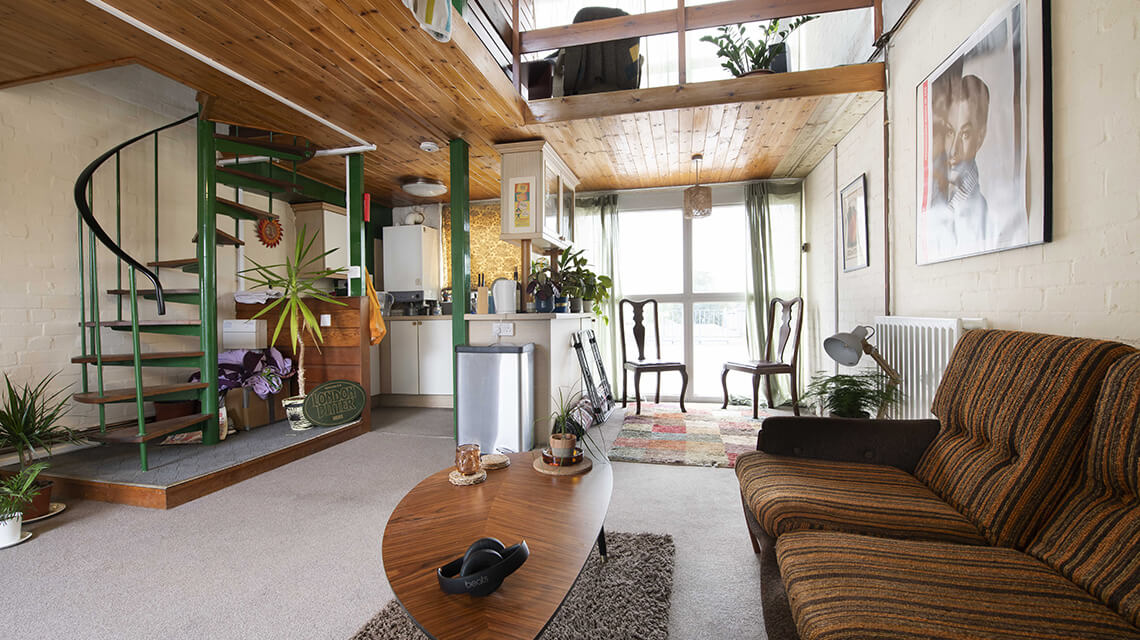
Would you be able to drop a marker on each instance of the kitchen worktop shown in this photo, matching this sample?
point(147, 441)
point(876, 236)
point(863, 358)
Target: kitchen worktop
point(520, 317)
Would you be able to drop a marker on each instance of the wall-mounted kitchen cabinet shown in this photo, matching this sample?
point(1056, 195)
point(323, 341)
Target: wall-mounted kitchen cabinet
point(537, 195)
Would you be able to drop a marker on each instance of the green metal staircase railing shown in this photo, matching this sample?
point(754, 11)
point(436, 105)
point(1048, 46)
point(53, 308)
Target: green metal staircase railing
point(139, 431)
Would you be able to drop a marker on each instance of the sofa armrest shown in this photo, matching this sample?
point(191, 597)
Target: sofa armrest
point(898, 443)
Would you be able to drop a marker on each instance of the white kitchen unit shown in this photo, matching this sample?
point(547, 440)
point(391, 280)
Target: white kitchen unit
point(330, 223)
point(416, 361)
point(537, 196)
point(411, 260)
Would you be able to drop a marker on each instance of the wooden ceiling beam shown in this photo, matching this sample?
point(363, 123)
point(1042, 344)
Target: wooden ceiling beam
point(816, 82)
point(659, 22)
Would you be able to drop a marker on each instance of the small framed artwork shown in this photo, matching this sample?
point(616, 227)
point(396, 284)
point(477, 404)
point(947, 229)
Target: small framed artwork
point(984, 150)
point(853, 219)
point(522, 203)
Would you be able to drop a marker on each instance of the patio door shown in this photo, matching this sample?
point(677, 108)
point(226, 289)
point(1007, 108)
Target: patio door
point(697, 271)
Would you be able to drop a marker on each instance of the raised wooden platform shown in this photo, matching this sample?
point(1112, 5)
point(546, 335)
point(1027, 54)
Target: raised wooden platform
point(179, 492)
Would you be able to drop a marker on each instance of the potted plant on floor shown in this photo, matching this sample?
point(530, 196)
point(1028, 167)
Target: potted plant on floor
point(297, 281)
point(29, 420)
point(16, 492)
point(543, 287)
point(857, 395)
point(744, 56)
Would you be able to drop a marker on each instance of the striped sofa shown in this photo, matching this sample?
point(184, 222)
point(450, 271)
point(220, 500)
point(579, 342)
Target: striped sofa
point(1014, 514)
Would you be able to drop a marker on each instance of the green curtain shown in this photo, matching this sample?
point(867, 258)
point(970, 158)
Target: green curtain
point(596, 232)
point(774, 229)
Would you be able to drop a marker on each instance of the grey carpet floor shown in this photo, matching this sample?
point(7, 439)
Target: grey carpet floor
point(295, 553)
point(624, 598)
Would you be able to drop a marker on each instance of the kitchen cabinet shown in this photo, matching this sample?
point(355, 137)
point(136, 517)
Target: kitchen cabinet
point(537, 195)
point(417, 361)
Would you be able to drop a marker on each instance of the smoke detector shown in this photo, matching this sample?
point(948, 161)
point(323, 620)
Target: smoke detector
point(429, 146)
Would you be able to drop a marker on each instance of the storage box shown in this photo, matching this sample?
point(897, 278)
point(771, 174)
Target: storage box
point(244, 334)
point(247, 411)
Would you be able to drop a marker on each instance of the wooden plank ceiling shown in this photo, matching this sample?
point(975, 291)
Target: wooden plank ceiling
point(366, 66)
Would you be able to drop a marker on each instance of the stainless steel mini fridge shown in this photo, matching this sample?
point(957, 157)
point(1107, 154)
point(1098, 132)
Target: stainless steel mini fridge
point(495, 401)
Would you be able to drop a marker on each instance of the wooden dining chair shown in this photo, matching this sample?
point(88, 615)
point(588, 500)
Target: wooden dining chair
point(642, 364)
point(776, 358)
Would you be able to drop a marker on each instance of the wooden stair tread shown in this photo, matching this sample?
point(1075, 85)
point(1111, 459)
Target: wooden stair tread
point(173, 264)
point(150, 292)
point(281, 185)
point(145, 323)
point(270, 146)
point(223, 239)
point(122, 395)
point(128, 357)
point(256, 213)
point(154, 430)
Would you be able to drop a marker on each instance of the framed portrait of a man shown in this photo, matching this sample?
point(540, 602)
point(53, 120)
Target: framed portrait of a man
point(853, 221)
point(983, 140)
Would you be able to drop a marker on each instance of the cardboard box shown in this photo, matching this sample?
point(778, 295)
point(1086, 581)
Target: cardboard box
point(247, 411)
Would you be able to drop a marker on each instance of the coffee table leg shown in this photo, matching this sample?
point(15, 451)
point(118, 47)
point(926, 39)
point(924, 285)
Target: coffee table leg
point(602, 543)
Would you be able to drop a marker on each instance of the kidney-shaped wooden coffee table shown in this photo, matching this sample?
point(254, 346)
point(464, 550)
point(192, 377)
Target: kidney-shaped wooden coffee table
point(559, 517)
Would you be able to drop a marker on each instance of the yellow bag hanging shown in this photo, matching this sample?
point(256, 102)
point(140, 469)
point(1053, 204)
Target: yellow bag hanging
point(375, 318)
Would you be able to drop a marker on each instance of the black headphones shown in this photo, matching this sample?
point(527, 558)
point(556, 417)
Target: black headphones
point(482, 568)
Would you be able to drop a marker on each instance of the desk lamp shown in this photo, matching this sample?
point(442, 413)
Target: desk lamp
point(848, 348)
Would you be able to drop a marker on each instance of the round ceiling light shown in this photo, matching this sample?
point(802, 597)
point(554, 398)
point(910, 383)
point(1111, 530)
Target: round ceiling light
point(424, 187)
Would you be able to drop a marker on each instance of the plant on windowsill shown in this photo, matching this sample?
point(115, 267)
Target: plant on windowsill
point(743, 56)
point(566, 431)
point(16, 492)
point(296, 282)
point(29, 420)
point(857, 395)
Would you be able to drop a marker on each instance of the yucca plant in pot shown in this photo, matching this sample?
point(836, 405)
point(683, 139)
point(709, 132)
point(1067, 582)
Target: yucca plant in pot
point(296, 279)
point(29, 420)
point(16, 492)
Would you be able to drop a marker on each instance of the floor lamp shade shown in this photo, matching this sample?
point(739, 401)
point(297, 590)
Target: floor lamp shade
point(846, 348)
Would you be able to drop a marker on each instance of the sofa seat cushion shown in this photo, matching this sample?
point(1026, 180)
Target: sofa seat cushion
point(1015, 409)
point(1094, 537)
point(793, 494)
point(849, 587)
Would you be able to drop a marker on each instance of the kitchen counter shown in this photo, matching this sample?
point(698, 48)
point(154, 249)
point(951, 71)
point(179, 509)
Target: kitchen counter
point(402, 318)
point(520, 317)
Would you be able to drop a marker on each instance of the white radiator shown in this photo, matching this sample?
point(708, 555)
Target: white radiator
point(919, 349)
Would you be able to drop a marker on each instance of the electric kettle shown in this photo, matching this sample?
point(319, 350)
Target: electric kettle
point(503, 293)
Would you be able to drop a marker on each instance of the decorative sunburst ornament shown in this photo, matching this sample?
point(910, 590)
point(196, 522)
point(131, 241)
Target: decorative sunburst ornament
point(269, 232)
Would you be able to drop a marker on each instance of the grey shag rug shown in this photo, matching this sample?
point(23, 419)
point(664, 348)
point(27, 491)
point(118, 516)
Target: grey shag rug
point(625, 598)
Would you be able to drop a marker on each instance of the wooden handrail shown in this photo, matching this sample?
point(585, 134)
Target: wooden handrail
point(698, 17)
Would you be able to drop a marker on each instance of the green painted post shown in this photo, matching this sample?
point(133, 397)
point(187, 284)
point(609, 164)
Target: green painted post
point(96, 330)
point(208, 278)
point(460, 259)
point(139, 404)
point(354, 200)
point(82, 300)
point(119, 230)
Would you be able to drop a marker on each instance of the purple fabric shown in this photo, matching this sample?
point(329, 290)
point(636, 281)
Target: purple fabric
point(261, 371)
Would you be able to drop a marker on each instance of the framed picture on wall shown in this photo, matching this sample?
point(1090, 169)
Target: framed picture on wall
point(984, 149)
point(853, 222)
point(522, 202)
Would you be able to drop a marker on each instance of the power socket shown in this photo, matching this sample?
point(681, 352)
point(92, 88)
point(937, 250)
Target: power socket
point(503, 329)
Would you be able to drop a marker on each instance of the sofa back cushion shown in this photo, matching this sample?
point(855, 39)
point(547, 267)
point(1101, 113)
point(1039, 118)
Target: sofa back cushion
point(1014, 407)
point(1094, 537)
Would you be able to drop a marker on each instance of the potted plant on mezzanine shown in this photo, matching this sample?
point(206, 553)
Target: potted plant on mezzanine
point(16, 493)
point(29, 420)
point(296, 282)
point(743, 56)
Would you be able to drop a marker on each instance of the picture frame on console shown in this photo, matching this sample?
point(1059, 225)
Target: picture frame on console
point(983, 118)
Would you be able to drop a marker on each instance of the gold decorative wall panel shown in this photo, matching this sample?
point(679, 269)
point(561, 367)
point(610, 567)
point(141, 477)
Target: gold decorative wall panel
point(490, 256)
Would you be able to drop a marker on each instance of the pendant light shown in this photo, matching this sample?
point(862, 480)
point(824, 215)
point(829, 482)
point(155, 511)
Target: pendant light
point(698, 199)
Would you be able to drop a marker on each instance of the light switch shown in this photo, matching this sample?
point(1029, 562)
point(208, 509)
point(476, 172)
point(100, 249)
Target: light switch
point(326, 319)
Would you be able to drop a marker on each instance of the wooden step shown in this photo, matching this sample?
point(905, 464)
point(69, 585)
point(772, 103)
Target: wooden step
point(223, 239)
point(252, 146)
point(128, 394)
point(176, 263)
point(154, 430)
point(246, 180)
point(183, 296)
point(240, 211)
point(129, 358)
point(116, 324)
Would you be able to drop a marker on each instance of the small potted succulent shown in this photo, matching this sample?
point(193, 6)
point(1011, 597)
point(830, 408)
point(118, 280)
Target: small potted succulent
point(29, 420)
point(543, 287)
point(743, 56)
point(858, 395)
point(16, 493)
point(297, 281)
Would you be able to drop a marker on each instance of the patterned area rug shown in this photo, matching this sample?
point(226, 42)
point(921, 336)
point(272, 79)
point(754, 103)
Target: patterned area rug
point(624, 598)
point(705, 436)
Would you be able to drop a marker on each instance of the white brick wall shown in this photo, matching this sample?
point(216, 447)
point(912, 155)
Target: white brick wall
point(1087, 281)
point(48, 133)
